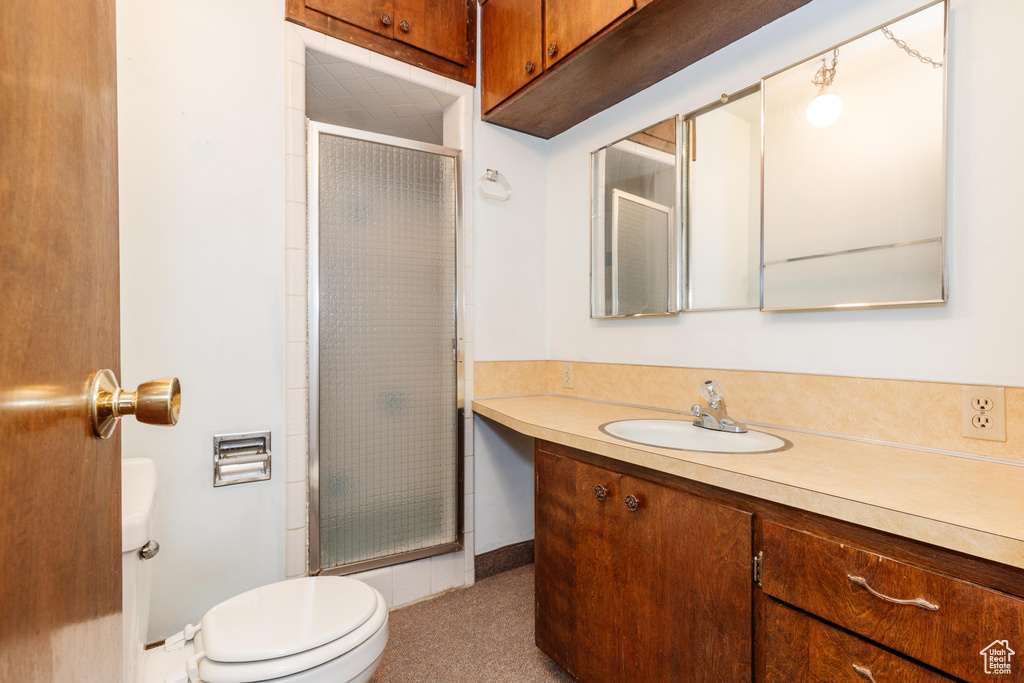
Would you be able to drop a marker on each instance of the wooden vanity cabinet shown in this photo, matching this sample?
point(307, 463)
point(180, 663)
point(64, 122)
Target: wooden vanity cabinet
point(439, 35)
point(937, 619)
point(799, 647)
point(688, 582)
point(637, 581)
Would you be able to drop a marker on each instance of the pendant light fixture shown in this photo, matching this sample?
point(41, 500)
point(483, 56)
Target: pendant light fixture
point(826, 107)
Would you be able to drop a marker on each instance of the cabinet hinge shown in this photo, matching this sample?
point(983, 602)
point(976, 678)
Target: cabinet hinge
point(758, 565)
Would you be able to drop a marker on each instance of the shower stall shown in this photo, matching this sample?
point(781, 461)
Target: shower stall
point(385, 351)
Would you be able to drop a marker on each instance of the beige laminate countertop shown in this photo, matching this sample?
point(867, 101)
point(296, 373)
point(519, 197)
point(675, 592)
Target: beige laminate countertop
point(972, 506)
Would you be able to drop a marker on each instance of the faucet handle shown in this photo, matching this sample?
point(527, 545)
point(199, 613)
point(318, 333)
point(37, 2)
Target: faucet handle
point(712, 392)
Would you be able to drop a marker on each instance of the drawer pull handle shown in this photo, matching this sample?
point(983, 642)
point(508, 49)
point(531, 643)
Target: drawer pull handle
point(916, 602)
point(600, 492)
point(632, 503)
point(864, 673)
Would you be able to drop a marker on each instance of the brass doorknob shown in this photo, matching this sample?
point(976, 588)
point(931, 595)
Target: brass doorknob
point(156, 403)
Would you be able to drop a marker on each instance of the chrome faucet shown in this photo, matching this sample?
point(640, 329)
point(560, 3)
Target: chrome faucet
point(714, 415)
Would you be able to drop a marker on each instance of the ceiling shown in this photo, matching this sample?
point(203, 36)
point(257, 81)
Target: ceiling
point(355, 96)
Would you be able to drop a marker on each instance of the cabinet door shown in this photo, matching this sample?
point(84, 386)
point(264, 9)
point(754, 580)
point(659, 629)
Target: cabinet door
point(436, 26)
point(570, 23)
point(377, 15)
point(688, 588)
point(798, 647)
point(511, 48)
point(578, 572)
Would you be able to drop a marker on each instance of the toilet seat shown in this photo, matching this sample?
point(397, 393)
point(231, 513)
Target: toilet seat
point(286, 628)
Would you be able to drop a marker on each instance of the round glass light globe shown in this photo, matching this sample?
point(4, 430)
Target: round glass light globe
point(824, 110)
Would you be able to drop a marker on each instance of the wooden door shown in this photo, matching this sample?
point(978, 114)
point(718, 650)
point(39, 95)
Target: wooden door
point(60, 526)
point(576, 564)
point(438, 27)
point(687, 593)
point(373, 15)
point(570, 23)
point(511, 48)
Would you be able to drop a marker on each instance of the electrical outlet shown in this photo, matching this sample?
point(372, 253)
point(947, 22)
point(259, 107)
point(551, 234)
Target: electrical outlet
point(567, 375)
point(984, 413)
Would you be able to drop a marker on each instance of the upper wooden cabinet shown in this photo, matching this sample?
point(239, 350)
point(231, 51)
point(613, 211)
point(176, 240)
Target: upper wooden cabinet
point(439, 27)
point(570, 23)
point(602, 51)
point(439, 35)
point(512, 38)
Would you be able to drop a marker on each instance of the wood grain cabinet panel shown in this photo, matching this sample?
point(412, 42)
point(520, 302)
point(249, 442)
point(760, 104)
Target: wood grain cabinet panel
point(637, 581)
point(948, 626)
point(570, 23)
point(436, 35)
point(801, 648)
point(511, 48)
point(372, 16)
point(603, 52)
point(436, 26)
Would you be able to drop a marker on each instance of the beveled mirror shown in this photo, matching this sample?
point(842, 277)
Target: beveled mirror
point(635, 224)
point(854, 172)
point(722, 203)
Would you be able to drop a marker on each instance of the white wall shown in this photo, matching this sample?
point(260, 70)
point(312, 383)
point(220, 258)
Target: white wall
point(504, 470)
point(201, 153)
point(510, 258)
point(970, 340)
point(509, 301)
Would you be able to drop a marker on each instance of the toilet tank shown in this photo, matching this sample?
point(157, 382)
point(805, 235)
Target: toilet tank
point(138, 496)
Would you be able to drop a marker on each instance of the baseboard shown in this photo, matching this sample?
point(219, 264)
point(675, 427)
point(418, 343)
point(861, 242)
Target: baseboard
point(503, 559)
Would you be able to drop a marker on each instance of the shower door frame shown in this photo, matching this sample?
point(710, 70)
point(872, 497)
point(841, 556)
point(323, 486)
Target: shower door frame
point(314, 129)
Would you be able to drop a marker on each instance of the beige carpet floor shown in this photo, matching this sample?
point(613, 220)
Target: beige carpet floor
point(481, 633)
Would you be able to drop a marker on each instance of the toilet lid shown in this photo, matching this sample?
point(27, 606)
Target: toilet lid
point(286, 618)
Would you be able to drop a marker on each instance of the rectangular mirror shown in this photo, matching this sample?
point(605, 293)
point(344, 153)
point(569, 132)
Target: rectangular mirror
point(722, 203)
point(854, 172)
point(635, 224)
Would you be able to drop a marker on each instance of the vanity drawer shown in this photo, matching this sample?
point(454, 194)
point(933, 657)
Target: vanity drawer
point(801, 648)
point(939, 620)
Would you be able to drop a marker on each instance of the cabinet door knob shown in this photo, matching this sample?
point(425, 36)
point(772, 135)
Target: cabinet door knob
point(529, 67)
point(552, 50)
point(385, 19)
point(404, 25)
point(600, 492)
point(632, 503)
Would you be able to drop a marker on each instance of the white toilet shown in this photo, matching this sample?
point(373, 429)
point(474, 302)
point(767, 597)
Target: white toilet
point(324, 629)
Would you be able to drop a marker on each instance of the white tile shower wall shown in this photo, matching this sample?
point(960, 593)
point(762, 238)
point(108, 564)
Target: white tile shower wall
point(410, 581)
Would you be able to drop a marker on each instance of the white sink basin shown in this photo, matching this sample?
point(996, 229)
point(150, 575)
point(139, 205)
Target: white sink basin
point(138, 495)
point(683, 435)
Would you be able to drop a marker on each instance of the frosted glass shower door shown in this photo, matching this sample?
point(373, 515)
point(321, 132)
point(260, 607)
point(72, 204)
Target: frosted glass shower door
point(384, 372)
